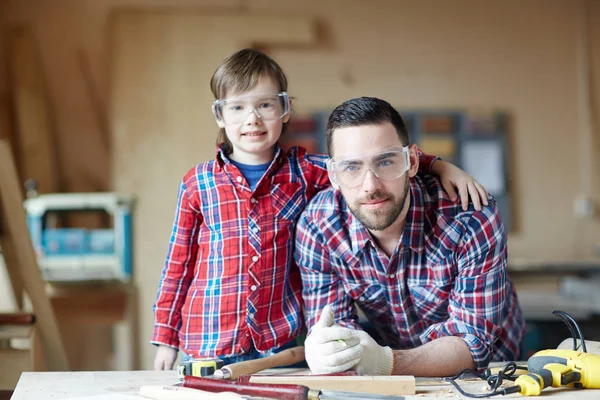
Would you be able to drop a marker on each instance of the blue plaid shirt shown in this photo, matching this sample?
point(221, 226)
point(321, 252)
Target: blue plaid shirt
point(448, 277)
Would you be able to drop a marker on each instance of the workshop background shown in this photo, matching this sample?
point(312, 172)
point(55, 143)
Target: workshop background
point(113, 96)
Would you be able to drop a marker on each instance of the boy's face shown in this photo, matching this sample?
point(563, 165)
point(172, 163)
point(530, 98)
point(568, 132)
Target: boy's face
point(254, 139)
point(376, 202)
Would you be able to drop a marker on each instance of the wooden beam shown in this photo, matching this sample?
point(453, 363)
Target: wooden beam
point(30, 274)
point(7, 134)
point(35, 142)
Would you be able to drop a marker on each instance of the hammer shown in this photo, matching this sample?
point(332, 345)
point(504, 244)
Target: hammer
point(285, 357)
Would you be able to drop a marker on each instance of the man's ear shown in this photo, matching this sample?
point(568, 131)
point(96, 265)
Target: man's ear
point(413, 156)
point(221, 124)
point(333, 184)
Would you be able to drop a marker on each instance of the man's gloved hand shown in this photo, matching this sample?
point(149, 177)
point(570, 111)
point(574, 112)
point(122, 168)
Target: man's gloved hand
point(165, 358)
point(325, 353)
point(376, 359)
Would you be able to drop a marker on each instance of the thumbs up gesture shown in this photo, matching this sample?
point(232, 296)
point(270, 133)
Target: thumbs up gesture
point(331, 348)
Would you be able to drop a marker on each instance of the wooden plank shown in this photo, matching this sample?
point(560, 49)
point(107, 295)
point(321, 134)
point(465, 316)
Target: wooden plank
point(30, 274)
point(13, 363)
point(35, 142)
point(7, 134)
point(398, 384)
point(8, 332)
point(6, 130)
point(10, 261)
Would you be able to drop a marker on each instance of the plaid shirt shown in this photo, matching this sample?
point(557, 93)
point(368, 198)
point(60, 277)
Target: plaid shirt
point(448, 277)
point(229, 280)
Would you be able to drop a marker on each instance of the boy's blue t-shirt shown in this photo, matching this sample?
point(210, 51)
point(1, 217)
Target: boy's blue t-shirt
point(252, 173)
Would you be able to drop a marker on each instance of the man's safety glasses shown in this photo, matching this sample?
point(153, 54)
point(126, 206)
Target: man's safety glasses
point(236, 110)
point(389, 164)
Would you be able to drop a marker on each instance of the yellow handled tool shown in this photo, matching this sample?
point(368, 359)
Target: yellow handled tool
point(560, 368)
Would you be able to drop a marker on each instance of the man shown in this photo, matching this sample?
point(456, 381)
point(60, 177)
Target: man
point(430, 277)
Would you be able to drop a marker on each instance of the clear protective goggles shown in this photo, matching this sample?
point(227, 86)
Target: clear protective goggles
point(236, 110)
point(388, 165)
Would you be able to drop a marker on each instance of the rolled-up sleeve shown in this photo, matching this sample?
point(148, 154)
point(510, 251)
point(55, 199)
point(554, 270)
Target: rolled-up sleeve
point(426, 162)
point(477, 302)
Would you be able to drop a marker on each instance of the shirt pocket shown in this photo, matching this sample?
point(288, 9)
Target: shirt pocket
point(287, 200)
point(430, 297)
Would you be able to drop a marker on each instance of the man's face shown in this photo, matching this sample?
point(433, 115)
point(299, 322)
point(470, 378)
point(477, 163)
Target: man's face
point(376, 202)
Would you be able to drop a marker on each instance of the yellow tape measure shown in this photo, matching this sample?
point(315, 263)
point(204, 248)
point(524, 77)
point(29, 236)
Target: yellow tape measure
point(199, 367)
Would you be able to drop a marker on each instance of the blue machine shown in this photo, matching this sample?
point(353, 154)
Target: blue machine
point(79, 254)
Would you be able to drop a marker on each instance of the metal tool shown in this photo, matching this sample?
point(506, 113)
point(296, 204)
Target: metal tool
point(281, 391)
point(339, 395)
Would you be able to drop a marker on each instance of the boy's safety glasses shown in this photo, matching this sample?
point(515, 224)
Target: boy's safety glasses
point(235, 110)
point(389, 164)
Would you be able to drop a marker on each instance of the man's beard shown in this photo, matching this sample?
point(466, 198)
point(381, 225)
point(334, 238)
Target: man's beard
point(379, 220)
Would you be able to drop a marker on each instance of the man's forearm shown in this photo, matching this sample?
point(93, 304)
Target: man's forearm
point(445, 356)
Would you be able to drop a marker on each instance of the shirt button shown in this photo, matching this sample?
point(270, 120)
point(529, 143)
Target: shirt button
point(361, 298)
point(391, 276)
point(255, 229)
point(255, 258)
point(397, 305)
point(251, 315)
point(252, 200)
point(239, 179)
point(253, 288)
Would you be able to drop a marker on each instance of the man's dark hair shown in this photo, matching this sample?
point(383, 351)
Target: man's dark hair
point(364, 111)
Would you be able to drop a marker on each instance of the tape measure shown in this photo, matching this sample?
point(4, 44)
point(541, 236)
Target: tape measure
point(199, 367)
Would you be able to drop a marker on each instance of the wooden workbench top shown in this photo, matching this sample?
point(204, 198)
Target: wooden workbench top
point(117, 385)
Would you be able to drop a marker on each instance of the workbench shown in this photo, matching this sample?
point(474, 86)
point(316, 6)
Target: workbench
point(119, 385)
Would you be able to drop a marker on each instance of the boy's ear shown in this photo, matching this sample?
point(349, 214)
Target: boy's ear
point(287, 116)
point(221, 124)
point(413, 154)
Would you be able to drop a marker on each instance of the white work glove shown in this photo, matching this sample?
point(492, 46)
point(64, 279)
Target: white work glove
point(325, 353)
point(376, 359)
point(165, 358)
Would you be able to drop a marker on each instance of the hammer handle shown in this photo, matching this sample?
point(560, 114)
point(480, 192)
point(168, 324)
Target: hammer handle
point(286, 357)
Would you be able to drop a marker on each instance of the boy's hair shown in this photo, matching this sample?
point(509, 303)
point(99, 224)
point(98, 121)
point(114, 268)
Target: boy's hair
point(240, 72)
point(364, 111)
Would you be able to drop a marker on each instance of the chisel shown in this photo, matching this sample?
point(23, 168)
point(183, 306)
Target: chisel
point(281, 392)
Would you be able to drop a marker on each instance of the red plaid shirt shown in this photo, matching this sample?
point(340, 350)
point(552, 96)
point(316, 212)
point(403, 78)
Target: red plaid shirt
point(448, 277)
point(229, 279)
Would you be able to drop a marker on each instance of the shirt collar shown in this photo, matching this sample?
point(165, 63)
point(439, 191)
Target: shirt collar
point(413, 234)
point(223, 160)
